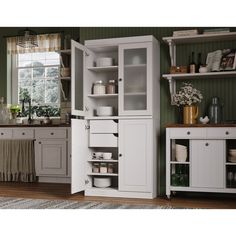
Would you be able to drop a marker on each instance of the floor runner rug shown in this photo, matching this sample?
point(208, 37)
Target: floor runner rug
point(25, 203)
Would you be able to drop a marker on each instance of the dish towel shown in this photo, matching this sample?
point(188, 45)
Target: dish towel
point(17, 161)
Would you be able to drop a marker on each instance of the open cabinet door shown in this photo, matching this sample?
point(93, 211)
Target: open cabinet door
point(79, 155)
point(79, 56)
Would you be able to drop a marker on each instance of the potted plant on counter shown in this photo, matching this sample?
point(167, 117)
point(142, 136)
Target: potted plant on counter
point(14, 110)
point(188, 97)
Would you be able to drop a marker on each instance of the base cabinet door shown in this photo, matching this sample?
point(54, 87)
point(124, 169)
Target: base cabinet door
point(51, 157)
point(135, 155)
point(207, 163)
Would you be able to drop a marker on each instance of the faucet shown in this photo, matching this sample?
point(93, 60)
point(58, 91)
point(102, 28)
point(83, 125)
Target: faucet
point(30, 108)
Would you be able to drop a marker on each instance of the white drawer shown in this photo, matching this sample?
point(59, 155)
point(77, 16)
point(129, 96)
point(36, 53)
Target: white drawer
point(103, 126)
point(188, 133)
point(5, 133)
point(50, 133)
point(219, 133)
point(103, 140)
point(23, 133)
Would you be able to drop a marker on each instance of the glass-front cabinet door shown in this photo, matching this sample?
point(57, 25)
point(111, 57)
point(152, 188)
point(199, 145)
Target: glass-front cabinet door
point(135, 90)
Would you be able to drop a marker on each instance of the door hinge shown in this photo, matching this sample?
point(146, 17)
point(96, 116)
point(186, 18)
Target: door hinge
point(87, 127)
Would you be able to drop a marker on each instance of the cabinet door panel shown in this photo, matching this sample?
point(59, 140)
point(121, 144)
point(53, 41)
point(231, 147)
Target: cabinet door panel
point(135, 146)
point(207, 163)
point(79, 146)
point(135, 71)
point(51, 157)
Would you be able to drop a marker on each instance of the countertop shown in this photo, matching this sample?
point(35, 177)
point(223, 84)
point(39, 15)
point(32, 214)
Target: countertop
point(200, 125)
point(33, 125)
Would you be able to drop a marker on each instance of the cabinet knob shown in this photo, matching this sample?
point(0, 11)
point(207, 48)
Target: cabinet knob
point(120, 155)
point(39, 142)
point(52, 133)
point(188, 133)
point(23, 133)
point(2, 133)
point(227, 132)
point(120, 79)
point(207, 144)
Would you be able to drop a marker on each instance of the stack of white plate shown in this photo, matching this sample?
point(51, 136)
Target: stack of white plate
point(180, 153)
point(232, 155)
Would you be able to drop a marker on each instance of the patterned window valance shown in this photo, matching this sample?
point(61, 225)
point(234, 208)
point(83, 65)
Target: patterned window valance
point(46, 43)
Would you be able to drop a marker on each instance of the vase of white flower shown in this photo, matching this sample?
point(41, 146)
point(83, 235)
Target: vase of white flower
point(188, 97)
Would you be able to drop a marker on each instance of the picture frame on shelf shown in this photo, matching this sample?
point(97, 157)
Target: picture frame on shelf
point(228, 60)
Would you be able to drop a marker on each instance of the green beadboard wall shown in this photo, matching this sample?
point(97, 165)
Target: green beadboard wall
point(223, 88)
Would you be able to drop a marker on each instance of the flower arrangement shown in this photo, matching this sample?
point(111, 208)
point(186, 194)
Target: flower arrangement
point(187, 95)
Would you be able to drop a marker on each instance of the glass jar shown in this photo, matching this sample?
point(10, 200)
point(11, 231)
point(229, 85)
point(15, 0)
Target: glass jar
point(215, 111)
point(95, 168)
point(111, 87)
point(103, 168)
point(99, 87)
point(110, 168)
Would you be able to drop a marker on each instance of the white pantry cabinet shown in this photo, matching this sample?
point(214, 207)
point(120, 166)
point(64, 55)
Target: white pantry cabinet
point(131, 132)
point(209, 166)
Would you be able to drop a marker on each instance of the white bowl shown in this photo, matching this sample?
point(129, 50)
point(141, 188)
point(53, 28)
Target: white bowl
point(105, 111)
point(102, 182)
point(107, 155)
point(181, 156)
point(104, 61)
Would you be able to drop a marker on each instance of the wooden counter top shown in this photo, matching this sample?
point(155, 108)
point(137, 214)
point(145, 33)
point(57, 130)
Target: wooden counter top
point(32, 125)
point(200, 125)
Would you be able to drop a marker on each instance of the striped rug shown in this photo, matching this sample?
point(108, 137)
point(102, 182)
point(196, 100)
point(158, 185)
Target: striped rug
point(25, 203)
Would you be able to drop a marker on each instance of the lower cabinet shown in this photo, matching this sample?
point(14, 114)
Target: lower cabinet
point(52, 154)
point(51, 157)
point(126, 169)
point(201, 159)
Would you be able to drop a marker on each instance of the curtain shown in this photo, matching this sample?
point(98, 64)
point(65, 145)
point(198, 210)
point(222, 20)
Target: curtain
point(46, 43)
point(17, 161)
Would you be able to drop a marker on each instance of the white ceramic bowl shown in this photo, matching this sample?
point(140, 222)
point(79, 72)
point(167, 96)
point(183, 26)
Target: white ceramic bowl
point(107, 155)
point(105, 111)
point(104, 61)
point(102, 182)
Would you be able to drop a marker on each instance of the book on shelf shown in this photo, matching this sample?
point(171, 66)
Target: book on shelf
point(216, 31)
point(179, 33)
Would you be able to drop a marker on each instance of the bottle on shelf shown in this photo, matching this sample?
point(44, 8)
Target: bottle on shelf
point(192, 65)
point(215, 111)
point(199, 61)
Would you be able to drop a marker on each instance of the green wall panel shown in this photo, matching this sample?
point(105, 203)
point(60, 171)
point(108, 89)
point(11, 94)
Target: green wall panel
point(224, 88)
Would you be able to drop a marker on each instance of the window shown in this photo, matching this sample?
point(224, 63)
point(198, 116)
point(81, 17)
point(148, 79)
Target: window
point(35, 76)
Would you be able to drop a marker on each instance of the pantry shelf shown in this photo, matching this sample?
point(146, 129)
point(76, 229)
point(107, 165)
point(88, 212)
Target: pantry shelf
point(103, 95)
point(94, 160)
point(103, 174)
point(101, 69)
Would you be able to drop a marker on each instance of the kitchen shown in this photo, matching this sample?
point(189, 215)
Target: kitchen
point(59, 171)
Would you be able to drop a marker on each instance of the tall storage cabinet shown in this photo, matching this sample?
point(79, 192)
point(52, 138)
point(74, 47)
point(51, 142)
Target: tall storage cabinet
point(131, 132)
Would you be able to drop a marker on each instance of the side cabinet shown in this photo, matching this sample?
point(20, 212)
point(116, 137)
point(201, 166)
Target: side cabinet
point(135, 155)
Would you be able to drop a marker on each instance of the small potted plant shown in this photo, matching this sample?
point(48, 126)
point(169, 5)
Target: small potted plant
point(188, 97)
point(14, 110)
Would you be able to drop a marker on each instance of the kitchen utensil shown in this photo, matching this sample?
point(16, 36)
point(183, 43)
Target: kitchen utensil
point(102, 182)
point(105, 111)
point(104, 61)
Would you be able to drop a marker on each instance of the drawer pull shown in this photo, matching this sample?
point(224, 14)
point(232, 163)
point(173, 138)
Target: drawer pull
point(23, 133)
point(207, 144)
point(39, 142)
point(188, 133)
point(52, 133)
point(120, 155)
point(2, 133)
point(227, 132)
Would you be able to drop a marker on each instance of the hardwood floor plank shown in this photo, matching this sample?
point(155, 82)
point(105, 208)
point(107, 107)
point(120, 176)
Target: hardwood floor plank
point(62, 191)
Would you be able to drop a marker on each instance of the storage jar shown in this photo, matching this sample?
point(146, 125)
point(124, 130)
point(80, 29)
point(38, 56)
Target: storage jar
point(103, 168)
point(99, 87)
point(111, 87)
point(95, 168)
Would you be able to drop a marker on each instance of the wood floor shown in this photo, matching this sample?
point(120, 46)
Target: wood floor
point(62, 191)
